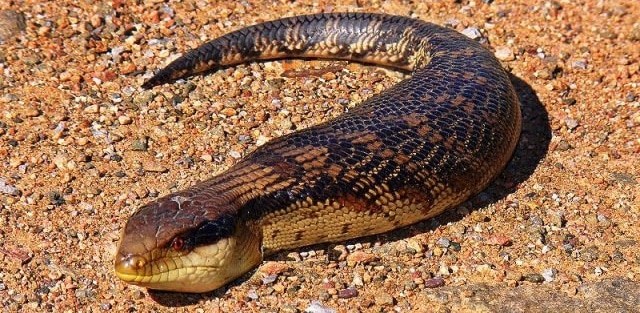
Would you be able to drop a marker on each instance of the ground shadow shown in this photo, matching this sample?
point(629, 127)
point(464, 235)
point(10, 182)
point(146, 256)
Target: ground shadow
point(531, 149)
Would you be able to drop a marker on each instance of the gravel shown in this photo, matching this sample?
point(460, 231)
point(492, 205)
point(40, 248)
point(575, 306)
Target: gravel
point(82, 146)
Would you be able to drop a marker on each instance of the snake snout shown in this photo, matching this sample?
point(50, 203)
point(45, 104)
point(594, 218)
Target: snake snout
point(129, 266)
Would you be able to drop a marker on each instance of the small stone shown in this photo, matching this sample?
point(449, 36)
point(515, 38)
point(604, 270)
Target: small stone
point(579, 64)
point(533, 278)
point(127, 68)
point(279, 288)
point(32, 112)
point(11, 23)
point(8, 189)
point(444, 270)
point(563, 145)
point(143, 98)
point(252, 294)
point(384, 299)
point(357, 281)
point(499, 240)
point(56, 198)
point(106, 306)
point(359, 257)
point(9, 97)
point(285, 123)
point(443, 242)
point(154, 167)
point(569, 101)
point(549, 274)
point(317, 307)
point(274, 268)
point(137, 294)
point(261, 140)
point(269, 279)
point(140, 144)
point(347, 293)
point(472, 33)
point(206, 157)
point(228, 112)
point(434, 282)
point(571, 123)
point(94, 108)
point(415, 245)
point(235, 154)
point(504, 54)
point(124, 120)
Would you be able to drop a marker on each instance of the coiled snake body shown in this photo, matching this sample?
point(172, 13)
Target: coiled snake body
point(422, 146)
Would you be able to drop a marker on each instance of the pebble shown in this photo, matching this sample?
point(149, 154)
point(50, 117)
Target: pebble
point(9, 97)
point(140, 144)
point(434, 282)
point(94, 108)
point(357, 280)
point(228, 112)
point(11, 24)
point(504, 54)
point(317, 307)
point(279, 288)
point(384, 299)
point(579, 64)
point(359, 257)
point(472, 33)
point(137, 294)
point(8, 189)
point(206, 157)
point(32, 112)
point(269, 279)
point(443, 242)
point(274, 268)
point(415, 245)
point(252, 294)
point(533, 278)
point(499, 240)
point(154, 167)
point(124, 120)
point(571, 123)
point(347, 293)
point(549, 274)
point(143, 98)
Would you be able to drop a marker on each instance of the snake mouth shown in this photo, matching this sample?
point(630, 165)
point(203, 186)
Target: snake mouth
point(171, 274)
point(135, 270)
point(203, 268)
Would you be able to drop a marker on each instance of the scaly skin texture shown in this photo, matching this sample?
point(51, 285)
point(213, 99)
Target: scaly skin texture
point(404, 155)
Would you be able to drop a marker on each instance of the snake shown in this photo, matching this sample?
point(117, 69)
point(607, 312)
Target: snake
point(406, 154)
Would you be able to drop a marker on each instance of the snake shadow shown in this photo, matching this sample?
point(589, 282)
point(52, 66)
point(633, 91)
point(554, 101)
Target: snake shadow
point(532, 148)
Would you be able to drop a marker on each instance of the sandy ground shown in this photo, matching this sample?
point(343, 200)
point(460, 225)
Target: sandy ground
point(82, 146)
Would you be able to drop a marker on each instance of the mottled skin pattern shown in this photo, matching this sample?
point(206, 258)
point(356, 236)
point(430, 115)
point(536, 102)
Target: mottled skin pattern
point(404, 155)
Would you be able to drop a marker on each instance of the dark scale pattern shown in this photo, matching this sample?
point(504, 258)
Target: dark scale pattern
point(441, 135)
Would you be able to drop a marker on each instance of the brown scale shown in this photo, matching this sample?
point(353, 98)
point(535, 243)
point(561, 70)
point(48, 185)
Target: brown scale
point(404, 155)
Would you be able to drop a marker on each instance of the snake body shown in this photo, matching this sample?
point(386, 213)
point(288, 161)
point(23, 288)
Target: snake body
point(420, 147)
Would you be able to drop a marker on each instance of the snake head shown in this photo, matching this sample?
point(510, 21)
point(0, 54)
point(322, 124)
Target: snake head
point(178, 243)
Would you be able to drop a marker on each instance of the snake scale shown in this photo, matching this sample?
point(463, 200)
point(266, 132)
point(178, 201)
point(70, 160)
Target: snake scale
point(416, 149)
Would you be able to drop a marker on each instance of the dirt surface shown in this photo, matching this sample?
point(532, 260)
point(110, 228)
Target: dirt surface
point(82, 146)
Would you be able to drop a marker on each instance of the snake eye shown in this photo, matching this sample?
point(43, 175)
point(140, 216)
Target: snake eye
point(177, 244)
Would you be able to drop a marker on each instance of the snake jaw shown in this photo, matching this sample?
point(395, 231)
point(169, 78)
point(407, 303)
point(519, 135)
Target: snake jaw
point(203, 268)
